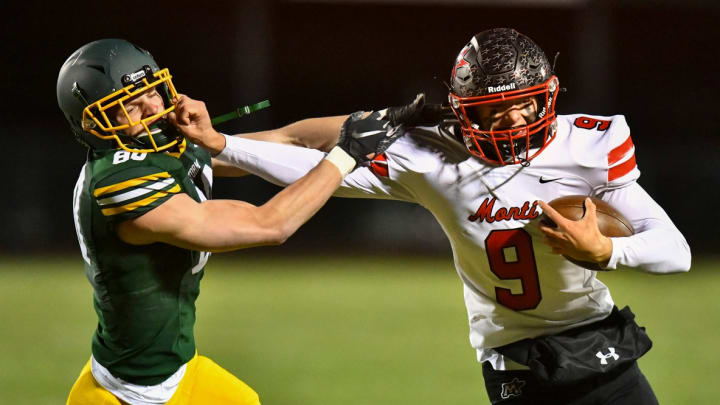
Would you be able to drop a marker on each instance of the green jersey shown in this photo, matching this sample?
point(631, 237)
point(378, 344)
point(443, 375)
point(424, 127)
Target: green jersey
point(144, 296)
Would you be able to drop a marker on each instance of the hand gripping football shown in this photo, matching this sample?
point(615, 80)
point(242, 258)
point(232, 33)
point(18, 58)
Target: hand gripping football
point(610, 222)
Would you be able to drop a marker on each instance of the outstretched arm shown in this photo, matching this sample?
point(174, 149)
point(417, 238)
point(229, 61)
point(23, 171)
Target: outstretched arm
point(322, 133)
point(314, 133)
point(224, 225)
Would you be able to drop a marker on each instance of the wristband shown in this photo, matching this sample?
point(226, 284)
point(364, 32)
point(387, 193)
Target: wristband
point(344, 162)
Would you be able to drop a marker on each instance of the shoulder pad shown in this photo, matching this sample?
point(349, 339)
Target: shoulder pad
point(128, 191)
point(604, 142)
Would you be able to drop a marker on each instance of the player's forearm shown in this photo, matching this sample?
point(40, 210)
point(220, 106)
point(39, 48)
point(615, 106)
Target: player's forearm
point(284, 164)
point(223, 169)
point(657, 245)
point(220, 226)
point(276, 163)
point(211, 226)
point(226, 225)
point(295, 204)
point(656, 250)
point(314, 133)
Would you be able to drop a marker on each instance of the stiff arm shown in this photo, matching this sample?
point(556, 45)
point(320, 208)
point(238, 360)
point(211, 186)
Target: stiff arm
point(282, 164)
point(657, 247)
point(224, 225)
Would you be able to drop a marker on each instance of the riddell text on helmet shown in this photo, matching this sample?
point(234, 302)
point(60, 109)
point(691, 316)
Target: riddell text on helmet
point(504, 87)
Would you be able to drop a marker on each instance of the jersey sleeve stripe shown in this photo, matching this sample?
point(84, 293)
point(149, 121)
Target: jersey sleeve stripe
point(137, 192)
point(618, 153)
point(622, 169)
point(141, 203)
point(130, 183)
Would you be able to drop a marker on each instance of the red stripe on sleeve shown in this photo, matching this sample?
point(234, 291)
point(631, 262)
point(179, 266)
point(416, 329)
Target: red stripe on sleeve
point(618, 153)
point(379, 166)
point(622, 169)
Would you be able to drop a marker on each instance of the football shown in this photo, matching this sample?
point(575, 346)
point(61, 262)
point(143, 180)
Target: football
point(611, 222)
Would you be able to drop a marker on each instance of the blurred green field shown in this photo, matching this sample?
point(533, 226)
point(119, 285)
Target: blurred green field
point(317, 330)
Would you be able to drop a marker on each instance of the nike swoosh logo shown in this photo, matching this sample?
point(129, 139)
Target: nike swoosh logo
point(543, 181)
point(358, 135)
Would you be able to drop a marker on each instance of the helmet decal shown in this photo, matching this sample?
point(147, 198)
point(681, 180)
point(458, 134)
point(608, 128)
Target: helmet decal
point(136, 77)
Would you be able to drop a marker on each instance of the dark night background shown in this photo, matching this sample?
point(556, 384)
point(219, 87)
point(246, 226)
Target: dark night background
point(654, 61)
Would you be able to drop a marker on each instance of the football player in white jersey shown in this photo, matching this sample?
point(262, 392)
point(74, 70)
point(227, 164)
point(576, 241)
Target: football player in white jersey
point(545, 329)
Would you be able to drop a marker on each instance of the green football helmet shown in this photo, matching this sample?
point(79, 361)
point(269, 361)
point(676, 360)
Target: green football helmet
point(98, 79)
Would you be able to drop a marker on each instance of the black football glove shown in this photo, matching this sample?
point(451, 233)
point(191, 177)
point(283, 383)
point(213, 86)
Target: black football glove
point(418, 113)
point(365, 138)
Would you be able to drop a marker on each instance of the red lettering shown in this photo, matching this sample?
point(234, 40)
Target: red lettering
point(533, 211)
point(523, 211)
point(501, 214)
point(484, 213)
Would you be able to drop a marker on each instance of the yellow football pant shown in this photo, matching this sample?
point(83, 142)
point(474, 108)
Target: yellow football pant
point(204, 382)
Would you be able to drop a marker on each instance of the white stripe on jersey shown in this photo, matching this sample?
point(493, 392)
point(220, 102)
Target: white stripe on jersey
point(76, 214)
point(159, 185)
point(628, 155)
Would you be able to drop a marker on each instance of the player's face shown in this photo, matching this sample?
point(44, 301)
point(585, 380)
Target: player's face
point(141, 106)
point(506, 114)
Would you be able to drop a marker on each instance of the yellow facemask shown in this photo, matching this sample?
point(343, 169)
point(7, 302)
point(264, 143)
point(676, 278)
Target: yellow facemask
point(95, 118)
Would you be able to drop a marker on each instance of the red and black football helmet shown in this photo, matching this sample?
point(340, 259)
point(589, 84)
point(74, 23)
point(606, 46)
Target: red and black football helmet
point(498, 65)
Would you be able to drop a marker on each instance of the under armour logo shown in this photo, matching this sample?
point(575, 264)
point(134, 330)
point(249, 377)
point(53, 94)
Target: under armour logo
point(512, 388)
point(603, 357)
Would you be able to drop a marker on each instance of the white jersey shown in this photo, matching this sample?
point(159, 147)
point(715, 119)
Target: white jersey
point(514, 286)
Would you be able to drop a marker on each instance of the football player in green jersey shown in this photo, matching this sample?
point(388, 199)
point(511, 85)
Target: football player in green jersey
point(146, 223)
